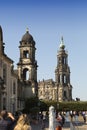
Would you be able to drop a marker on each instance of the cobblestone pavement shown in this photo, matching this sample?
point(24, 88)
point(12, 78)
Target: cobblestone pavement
point(77, 126)
point(39, 126)
point(80, 126)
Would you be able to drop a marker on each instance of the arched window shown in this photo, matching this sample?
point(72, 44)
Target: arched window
point(25, 54)
point(26, 74)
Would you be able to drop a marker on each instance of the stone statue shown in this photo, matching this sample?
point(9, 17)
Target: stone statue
point(51, 118)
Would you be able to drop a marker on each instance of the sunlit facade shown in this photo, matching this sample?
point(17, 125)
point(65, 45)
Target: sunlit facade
point(60, 89)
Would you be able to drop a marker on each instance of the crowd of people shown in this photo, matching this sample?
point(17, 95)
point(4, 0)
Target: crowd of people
point(71, 116)
point(9, 122)
point(22, 122)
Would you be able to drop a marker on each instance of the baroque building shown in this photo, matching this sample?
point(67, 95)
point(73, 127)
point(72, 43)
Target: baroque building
point(60, 89)
point(27, 68)
point(18, 84)
point(8, 80)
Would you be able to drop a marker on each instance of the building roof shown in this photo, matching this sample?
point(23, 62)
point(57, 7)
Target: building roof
point(27, 36)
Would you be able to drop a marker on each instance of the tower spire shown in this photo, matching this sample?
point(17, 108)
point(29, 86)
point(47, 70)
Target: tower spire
point(27, 29)
point(62, 46)
point(62, 39)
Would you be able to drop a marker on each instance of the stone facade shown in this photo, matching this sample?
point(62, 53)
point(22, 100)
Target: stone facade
point(27, 65)
point(46, 89)
point(27, 69)
point(17, 85)
point(8, 88)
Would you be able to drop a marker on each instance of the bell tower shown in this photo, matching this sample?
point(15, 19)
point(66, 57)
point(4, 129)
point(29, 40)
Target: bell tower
point(27, 65)
point(62, 75)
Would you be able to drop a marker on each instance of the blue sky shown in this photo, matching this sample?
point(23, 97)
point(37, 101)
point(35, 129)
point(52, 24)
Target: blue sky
point(47, 21)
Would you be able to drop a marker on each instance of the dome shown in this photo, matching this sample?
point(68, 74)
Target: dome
point(27, 37)
point(62, 46)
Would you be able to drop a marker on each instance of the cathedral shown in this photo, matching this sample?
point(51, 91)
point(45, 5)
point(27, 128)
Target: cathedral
point(60, 89)
point(18, 84)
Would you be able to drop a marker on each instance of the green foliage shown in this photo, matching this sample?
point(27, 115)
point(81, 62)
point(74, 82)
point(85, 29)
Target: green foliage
point(34, 110)
point(65, 106)
point(35, 105)
point(30, 103)
point(43, 106)
point(77, 106)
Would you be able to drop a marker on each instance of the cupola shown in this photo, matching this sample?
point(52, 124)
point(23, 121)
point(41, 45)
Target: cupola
point(27, 37)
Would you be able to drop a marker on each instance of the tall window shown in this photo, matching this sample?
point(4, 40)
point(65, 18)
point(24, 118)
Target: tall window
point(25, 54)
point(4, 103)
point(60, 78)
point(64, 60)
point(64, 78)
point(26, 74)
point(65, 94)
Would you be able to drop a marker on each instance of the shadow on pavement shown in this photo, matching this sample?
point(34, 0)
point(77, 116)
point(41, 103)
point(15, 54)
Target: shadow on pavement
point(38, 126)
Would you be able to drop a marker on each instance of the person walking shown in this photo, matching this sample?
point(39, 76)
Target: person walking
point(59, 122)
point(23, 123)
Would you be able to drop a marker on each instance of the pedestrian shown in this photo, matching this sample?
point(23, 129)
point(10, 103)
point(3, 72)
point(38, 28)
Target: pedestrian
point(12, 121)
point(23, 123)
point(76, 116)
point(43, 125)
point(71, 115)
point(6, 120)
point(59, 122)
point(84, 116)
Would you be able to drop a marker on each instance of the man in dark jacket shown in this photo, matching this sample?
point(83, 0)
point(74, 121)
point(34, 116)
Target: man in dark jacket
point(6, 120)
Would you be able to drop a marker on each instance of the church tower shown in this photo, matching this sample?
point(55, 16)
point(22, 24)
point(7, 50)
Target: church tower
point(62, 75)
point(27, 66)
